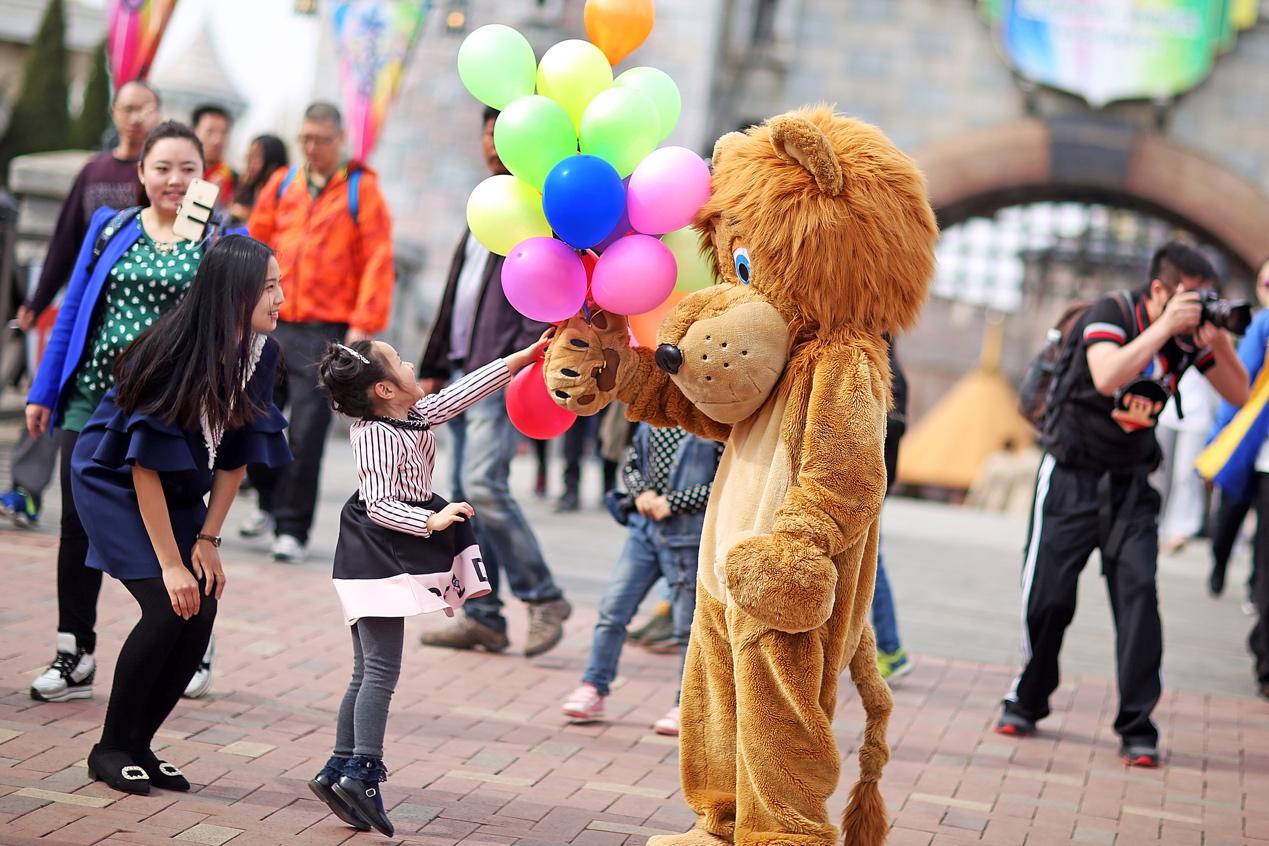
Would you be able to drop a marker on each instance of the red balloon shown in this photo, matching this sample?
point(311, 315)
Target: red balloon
point(530, 406)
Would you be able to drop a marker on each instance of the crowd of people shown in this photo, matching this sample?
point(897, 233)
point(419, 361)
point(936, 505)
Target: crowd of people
point(294, 275)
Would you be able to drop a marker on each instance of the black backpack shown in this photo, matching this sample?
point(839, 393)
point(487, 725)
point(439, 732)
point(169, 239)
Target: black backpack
point(1044, 386)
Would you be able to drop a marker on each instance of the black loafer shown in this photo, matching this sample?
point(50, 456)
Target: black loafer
point(322, 786)
point(364, 796)
point(119, 771)
point(162, 774)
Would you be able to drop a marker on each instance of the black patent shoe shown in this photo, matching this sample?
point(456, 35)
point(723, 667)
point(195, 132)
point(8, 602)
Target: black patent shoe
point(118, 770)
point(162, 774)
point(323, 787)
point(359, 787)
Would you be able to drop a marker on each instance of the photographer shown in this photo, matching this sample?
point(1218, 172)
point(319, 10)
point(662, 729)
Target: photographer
point(1091, 489)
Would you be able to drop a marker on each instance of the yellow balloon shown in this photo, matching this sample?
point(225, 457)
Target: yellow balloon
point(695, 270)
point(571, 73)
point(502, 211)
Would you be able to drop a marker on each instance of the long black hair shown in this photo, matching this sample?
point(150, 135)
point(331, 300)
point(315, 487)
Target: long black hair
point(273, 155)
point(194, 360)
point(166, 129)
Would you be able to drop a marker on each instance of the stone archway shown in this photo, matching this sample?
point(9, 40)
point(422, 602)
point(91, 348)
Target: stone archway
point(977, 173)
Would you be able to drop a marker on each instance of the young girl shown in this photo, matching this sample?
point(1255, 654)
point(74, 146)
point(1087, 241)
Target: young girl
point(191, 407)
point(402, 549)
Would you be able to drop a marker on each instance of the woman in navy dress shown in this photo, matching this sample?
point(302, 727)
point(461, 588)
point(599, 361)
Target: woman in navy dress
point(191, 407)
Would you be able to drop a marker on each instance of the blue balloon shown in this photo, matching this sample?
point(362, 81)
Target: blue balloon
point(584, 200)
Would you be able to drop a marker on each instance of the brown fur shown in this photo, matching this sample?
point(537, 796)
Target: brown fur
point(840, 236)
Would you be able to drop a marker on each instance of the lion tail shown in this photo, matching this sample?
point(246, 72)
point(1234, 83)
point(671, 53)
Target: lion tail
point(866, 821)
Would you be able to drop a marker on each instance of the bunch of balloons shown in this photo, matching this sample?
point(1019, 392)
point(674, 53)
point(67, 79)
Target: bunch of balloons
point(589, 196)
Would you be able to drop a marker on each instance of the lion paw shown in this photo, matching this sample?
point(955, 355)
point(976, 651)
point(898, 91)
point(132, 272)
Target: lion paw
point(782, 581)
point(584, 361)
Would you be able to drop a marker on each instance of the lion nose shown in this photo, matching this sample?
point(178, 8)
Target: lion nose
point(669, 358)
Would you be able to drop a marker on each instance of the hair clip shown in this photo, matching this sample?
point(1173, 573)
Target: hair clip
point(354, 353)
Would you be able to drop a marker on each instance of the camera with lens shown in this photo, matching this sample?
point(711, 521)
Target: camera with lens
point(1231, 315)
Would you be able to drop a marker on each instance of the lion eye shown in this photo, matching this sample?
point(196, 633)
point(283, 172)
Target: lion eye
point(744, 270)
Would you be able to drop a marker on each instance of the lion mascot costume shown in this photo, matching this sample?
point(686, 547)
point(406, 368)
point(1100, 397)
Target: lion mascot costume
point(823, 237)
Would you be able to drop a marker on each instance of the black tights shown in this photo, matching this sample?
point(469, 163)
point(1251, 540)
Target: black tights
point(155, 664)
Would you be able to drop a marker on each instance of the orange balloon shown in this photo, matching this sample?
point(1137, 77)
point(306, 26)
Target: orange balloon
point(618, 27)
point(645, 326)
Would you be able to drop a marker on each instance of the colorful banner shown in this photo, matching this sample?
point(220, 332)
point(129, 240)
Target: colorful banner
point(135, 28)
point(373, 40)
point(1117, 49)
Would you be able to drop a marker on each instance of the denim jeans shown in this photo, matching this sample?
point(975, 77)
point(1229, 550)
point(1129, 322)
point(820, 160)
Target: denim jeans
point(883, 618)
point(484, 444)
point(645, 558)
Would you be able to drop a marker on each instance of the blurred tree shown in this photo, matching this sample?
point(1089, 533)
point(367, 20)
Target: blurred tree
point(40, 119)
point(94, 115)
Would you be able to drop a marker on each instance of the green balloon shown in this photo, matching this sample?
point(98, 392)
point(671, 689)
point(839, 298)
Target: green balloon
point(620, 126)
point(571, 73)
point(657, 86)
point(502, 211)
point(533, 135)
point(497, 65)
point(695, 271)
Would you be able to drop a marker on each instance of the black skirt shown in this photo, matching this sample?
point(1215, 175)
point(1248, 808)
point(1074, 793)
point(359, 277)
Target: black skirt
point(380, 572)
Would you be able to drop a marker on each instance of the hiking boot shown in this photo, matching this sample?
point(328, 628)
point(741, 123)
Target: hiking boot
point(323, 787)
point(665, 646)
point(584, 705)
point(201, 681)
point(659, 627)
point(894, 665)
point(1139, 754)
point(669, 724)
point(546, 625)
point(70, 676)
point(1014, 725)
point(359, 787)
point(466, 633)
point(22, 506)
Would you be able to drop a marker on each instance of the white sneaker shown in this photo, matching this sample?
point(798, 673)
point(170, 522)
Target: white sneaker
point(584, 704)
point(202, 679)
point(257, 524)
point(70, 676)
point(669, 724)
point(288, 548)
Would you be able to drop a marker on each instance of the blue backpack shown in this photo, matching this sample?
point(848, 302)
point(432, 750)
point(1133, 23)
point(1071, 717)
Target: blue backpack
point(354, 190)
point(120, 219)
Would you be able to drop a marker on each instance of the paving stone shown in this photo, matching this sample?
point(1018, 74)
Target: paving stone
point(209, 835)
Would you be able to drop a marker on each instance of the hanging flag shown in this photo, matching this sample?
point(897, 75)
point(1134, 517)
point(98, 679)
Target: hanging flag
point(135, 30)
point(373, 40)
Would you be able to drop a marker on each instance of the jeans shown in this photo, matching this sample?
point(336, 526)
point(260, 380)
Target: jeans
point(484, 444)
point(290, 494)
point(884, 622)
point(645, 558)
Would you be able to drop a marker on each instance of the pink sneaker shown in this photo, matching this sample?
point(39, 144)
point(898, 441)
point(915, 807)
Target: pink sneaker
point(584, 704)
point(669, 724)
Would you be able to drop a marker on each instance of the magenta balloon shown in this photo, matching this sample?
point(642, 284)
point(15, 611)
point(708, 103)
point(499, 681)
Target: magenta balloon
point(633, 275)
point(544, 280)
point(666, 190)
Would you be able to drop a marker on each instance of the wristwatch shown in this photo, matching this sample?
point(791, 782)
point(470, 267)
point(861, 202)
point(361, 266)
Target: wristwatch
point(214, 540)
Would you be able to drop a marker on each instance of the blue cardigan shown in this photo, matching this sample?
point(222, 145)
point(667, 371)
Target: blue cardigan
point(1238, 472)
point(65, 348)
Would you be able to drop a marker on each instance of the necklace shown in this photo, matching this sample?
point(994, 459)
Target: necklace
point(165, 248)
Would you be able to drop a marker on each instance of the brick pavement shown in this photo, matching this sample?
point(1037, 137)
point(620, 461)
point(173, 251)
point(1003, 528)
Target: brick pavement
point(480, 755)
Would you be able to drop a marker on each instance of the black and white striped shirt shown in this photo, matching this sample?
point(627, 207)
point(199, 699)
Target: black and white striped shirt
point(394, 465)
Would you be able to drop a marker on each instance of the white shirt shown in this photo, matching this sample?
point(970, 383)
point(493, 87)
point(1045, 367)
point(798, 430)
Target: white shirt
point(467, 298)
point(394, 465)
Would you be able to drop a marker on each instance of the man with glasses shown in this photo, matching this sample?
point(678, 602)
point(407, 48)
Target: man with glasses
point(331, 231)
point(108, 179)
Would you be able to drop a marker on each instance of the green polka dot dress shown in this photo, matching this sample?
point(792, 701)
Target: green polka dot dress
point(143, 285)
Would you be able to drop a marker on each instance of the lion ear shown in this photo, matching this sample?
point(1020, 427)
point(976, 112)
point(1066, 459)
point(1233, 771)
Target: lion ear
point(721, 145)
point(796, 139)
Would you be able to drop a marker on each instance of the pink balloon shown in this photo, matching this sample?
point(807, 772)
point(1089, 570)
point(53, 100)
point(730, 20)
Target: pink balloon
point(633, 275)
point(666, 190)
point(530, 406)
point(544, 280)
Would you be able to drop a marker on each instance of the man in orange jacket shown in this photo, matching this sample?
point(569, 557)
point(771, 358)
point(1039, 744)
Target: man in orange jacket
point(332, 234)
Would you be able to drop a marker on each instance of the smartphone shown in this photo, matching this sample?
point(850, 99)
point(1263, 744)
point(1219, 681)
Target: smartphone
point(195, 210)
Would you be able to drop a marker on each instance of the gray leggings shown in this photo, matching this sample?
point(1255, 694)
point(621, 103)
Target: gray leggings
point(363, 715)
